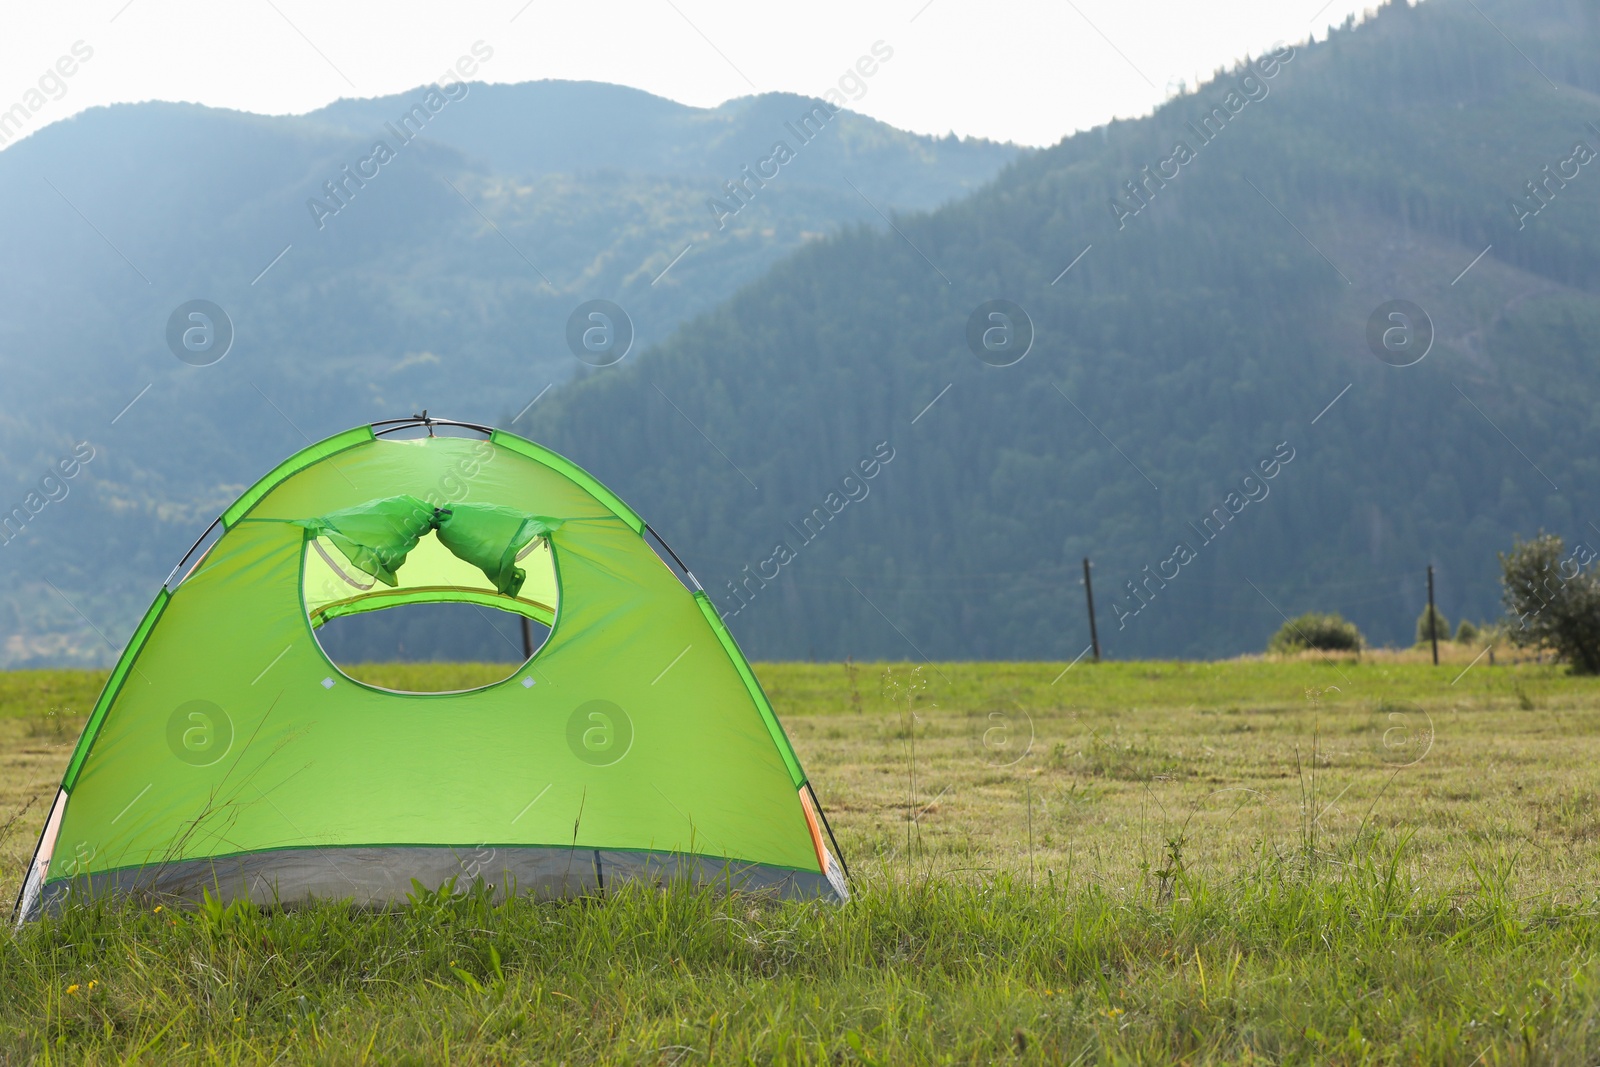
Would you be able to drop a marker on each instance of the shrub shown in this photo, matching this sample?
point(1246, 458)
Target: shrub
point(1422, 626)
point(1553, 599)
point(1325, 631)
point(1466, 632)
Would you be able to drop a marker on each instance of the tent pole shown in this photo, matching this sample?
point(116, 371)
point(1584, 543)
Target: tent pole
point(662, 541)
point(16, 908)
point(185, 557)
point(828, 827)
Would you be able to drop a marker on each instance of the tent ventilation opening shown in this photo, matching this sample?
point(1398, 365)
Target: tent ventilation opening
point(387, 648)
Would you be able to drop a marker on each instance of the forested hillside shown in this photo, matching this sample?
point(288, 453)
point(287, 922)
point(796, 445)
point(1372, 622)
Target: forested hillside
point(360, 285)
point(1207, 289)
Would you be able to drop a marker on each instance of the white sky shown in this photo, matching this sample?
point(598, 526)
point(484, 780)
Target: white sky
point(1029, 71)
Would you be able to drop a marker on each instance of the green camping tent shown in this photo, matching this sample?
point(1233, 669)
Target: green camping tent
point(228, 753)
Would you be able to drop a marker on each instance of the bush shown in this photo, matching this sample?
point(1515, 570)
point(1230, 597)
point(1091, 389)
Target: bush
point(1553, 599)
point(1422, 626)
point(1330, 632)
point(1466, 632)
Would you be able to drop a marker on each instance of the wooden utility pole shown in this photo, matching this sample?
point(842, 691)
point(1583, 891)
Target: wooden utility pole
point(1088, 590)
point(1433, 618)
point(527, 638)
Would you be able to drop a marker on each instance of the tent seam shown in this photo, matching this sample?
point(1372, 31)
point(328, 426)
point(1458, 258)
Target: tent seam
point(267, 487)
point(108, 696)
point(741, 666)
point(573, 473)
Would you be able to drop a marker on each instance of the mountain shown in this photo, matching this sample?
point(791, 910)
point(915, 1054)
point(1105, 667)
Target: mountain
point(360, 284)
point(538, 129)
point(1214, 406)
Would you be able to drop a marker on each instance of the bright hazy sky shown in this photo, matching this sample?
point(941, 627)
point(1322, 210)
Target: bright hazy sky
point(1029, 71)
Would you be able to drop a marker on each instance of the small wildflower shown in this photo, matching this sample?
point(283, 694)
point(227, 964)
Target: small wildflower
point(158, 908)
point(72, 990)
point(1112, 1013)
point(92, 983)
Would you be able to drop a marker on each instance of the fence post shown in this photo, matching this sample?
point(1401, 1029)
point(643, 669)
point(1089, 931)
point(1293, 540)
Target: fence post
point(1433, 618)
point(1088, 590)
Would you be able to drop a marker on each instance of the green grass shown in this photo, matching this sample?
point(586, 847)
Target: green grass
point(1142, 862)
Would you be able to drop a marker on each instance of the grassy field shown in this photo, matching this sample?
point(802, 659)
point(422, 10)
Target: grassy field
point(1300, 861)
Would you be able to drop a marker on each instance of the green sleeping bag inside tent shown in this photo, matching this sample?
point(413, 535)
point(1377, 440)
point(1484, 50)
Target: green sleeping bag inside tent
point(228, 754)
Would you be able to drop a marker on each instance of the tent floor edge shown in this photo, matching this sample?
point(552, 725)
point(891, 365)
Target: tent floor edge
point(381, 876)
